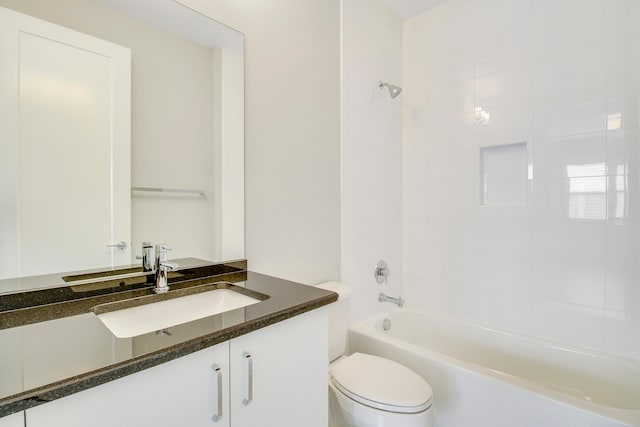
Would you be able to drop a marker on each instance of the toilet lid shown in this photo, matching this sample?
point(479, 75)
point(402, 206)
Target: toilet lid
point(381, 383)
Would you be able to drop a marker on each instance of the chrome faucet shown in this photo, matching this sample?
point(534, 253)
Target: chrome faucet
point(147, 256)
point(397, 301)
point(162, 268)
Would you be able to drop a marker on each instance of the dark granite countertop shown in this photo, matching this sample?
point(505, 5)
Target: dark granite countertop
point(58, 346)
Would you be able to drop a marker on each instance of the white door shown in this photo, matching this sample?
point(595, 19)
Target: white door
point(65, 156)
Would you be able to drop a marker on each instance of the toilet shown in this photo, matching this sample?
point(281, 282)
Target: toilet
point(367, 390)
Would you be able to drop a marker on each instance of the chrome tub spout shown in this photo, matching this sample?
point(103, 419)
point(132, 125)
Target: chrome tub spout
point(397, 301)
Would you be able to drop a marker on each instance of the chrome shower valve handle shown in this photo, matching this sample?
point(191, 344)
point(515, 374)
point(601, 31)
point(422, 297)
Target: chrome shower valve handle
point(381, 273)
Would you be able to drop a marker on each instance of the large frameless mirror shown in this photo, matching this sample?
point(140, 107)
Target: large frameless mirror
point(122, 122)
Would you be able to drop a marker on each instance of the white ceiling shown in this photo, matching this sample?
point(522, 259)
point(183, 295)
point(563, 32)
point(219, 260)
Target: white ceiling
point(408, 8)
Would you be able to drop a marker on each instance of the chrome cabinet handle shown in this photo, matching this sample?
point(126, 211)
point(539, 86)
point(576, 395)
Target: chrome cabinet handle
point(218, 416)
point(120, 245)
point(249, 360)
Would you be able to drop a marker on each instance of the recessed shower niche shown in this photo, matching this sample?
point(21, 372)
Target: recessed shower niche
point(504, 175)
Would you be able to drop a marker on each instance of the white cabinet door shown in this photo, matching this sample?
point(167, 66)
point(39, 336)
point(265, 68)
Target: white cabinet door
point(282, 370)
point(13, 420)
point(65, 152)
point(182, 392)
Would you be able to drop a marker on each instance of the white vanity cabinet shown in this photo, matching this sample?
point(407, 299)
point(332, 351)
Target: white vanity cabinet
point(13, 420)
point(274, 376)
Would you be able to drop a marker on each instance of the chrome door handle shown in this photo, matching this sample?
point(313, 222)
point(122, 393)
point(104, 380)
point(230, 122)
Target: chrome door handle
point(120, 245)
point(249, 360)
point(218, 416)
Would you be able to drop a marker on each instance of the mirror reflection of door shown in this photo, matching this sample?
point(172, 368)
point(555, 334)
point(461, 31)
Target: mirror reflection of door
point(69, 138)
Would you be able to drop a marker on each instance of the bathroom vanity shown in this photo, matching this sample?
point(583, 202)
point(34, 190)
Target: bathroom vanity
point(264, 361)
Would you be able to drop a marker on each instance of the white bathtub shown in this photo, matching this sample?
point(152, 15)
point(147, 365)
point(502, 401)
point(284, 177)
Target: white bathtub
point(487, 378)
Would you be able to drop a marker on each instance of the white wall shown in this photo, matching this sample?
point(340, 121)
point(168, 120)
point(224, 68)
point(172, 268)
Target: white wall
point(229, 150)
point(292, 123)
point(371, 152)
point(563, 77)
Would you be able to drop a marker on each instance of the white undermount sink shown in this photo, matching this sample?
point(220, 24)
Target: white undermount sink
point(142, 319)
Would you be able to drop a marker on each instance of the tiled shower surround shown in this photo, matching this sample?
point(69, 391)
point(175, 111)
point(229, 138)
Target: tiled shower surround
point(521, 167)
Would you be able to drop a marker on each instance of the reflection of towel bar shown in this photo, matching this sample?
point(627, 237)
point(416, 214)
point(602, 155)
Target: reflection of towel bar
point(168, 190)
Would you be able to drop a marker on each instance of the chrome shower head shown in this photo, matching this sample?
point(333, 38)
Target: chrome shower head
point(393, 90)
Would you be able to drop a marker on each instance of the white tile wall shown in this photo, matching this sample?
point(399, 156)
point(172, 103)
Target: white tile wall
point(508, 124)
point(493, 51)
point(564, 77)
point(513, 85)
point(562, 27)
point(574, 113)
point(372, 152)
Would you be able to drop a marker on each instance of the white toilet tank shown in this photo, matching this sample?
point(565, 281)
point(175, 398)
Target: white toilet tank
point(338, 318)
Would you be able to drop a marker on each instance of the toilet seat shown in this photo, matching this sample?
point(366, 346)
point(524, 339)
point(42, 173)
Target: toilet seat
point(381, 383)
